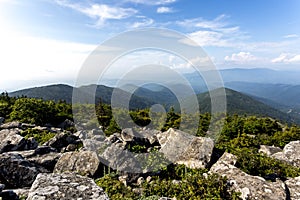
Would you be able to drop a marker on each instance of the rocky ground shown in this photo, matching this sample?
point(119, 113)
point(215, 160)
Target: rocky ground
point(65, 166)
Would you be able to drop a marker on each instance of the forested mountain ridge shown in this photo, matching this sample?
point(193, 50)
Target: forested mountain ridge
point(64, 92)
point(237, 102)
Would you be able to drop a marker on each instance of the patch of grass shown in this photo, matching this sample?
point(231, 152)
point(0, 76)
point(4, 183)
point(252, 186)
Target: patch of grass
point(40, 136)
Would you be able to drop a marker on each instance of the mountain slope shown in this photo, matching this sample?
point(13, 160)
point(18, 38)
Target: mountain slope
point(288, 95)
point(65, 92)
point(51, 92)
point(239, 103)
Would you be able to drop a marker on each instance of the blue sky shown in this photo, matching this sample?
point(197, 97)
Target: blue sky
point(46, 41)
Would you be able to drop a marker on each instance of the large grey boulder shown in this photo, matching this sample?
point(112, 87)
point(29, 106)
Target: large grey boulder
point(66, 124)
point(118, 158)
point(10, 140)
point(114, 138)
point(131, 135)
point(31, 143)
point(16, 172)
point(84, 163)
point(62, 140)
point(290, 153)
point(95, 134)
point(47, 161)
point(94, 145)
point(43, 156)
point(250, 187)
point(182, 148)
point(114, 155)
point(293, 185)
point(65, 186)
point(150, 134)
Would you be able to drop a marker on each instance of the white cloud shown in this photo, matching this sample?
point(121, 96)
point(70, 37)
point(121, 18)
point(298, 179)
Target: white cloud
point(287, 58)
point(241, 57)
point(218, 22)
point(216, 32)
point(207, 38)
point(152, 2)
point(143, 23)
point(100, 12)
point(291, 36)
point(164, 10)
point(44, 60)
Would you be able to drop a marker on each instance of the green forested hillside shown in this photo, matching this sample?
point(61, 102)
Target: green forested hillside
point(65, 92)
point(237, 102)
point(241, 104)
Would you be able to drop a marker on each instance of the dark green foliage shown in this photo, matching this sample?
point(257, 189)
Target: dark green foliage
point(114, 188)
point(172, 121)
point(261, 165)
point(140, 117)
point(112, 128)
point(34, 111)
point(104, 114)
point(40, 112)
point(137, 148)
point(40, 136)
point(242, 136)
point(192, 185)
point(6, 104)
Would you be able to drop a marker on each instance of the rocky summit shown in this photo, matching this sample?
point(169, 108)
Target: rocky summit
point(66, 165)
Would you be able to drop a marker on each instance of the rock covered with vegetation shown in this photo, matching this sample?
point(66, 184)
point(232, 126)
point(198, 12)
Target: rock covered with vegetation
point(44, 158)
point(250, 187)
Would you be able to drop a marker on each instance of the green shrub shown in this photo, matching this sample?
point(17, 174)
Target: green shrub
point(40, 136)
point(192, 186)
point(114, 188)
point(258, 164)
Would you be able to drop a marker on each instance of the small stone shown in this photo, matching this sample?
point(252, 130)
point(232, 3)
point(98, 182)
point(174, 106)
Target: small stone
point(140, 181)
point(148, 179)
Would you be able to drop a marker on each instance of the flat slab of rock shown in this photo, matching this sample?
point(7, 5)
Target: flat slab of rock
point(65, 186)
point(182, 148)
point(290, 153)
point(84, 163)
point(250, 187)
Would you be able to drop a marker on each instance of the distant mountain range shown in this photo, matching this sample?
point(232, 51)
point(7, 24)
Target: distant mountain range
point(256, 75)
point(237, 102)
point(284, 94)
